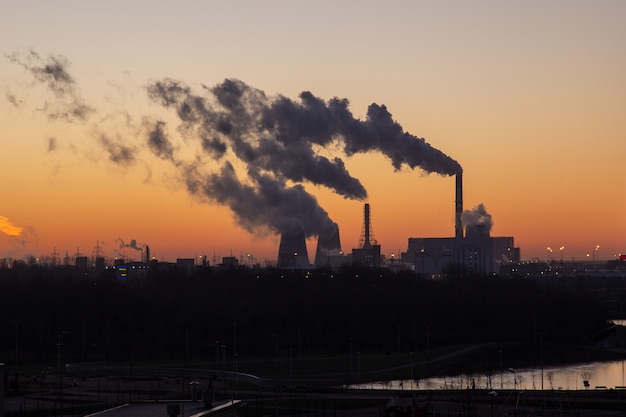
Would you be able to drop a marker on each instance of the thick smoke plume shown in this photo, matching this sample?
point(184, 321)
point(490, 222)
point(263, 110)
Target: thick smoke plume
point(244, 149)
point(276, 138)
point(132, 245)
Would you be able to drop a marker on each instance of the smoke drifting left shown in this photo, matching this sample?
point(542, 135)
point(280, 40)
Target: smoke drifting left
point(68, 105)
point(244, 149)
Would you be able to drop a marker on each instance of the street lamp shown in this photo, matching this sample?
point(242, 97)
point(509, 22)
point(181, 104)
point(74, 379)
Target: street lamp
point(411, 370)
point(59, 368)
point(514, 387)
point(595, 253)
point(234, 342)
point(217, 355)
point(17, 323)
point(224, 365)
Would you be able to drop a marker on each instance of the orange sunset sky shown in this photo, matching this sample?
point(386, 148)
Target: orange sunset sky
point(528, 97)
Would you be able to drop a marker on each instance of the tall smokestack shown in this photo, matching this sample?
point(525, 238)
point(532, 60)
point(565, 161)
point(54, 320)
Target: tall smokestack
point(458, 225)
point(366, 227)
point(292, 252)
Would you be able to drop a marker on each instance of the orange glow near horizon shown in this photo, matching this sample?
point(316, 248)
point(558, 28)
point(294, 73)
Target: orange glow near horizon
point(7, 228)
point(527, 97)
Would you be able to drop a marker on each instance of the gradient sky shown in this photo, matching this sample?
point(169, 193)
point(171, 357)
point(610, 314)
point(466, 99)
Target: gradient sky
point(529, 97)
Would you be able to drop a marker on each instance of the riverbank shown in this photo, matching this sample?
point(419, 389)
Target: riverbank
point(491, 358)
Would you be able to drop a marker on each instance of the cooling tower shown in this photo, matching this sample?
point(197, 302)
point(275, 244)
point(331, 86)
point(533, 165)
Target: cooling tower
point(458, 224)
point(328, 249)
point(292, 251)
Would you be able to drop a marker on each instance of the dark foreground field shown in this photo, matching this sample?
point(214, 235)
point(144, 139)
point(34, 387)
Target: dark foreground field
point(310, 386)
point(301, 335)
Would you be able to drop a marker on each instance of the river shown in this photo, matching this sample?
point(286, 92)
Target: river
point(599, 375)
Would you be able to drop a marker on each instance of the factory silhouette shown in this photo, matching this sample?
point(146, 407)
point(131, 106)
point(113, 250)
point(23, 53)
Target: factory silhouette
point(471, 249)
point(475, 250)
point(252, 152)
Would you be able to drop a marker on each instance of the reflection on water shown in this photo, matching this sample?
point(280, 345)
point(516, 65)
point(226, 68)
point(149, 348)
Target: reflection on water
point(599, 375)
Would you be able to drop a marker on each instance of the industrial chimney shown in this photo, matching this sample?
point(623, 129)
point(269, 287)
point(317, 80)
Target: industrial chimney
point(366, 235)
point(458, 225)
point(292, 252)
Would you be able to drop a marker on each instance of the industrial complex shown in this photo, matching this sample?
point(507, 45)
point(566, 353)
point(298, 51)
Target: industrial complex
point(472, 247)
point(471, 250)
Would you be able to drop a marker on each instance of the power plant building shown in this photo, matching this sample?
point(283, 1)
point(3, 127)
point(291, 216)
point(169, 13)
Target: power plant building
point(471, 248)
point(476, 251)
point(431, 256)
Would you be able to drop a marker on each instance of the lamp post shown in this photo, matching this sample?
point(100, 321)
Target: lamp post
point(17, 323)
point(514, 388)
point(234, 342)
point(59, 368)
point(501, 385)
point(595, 253)
point(224, 366)
point(492, 394)
point(411, 370)
point(217, 355)
point(549, 253)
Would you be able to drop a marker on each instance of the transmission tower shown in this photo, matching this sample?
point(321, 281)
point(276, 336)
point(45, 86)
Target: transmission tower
point(55, 255)
point(367, 233)
point(96, 252)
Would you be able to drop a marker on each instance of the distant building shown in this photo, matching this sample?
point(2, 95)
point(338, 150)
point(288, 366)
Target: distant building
point(367, 256)
point(230, 262)
point(187, 265)
point(100, 264)
point(130, 270)
point(476, 253)
point(82, 262)
point(429, 255)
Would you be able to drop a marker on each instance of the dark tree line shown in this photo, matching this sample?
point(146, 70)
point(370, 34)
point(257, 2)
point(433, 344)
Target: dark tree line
point(173, 315)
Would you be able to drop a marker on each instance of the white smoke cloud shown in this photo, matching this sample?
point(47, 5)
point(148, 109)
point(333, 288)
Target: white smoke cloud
point(477, 220)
